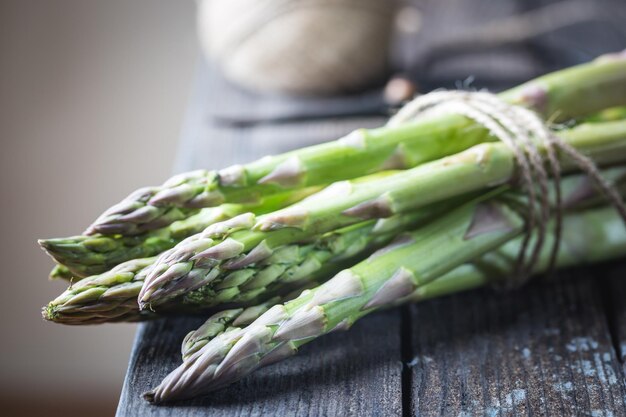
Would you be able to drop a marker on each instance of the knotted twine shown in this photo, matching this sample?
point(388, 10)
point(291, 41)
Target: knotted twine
point(525, 133)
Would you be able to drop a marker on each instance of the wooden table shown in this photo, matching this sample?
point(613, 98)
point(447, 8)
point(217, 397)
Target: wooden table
point(552, 348)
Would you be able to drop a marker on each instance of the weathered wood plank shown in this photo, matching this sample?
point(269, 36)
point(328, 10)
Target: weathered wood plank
point(543, 350)
point(616, 300)
point(357, 373)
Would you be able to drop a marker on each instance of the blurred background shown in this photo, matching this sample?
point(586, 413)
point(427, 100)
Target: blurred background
point(92, 104)
point(92, 94)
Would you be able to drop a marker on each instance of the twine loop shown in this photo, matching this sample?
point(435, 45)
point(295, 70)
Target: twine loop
point(534, 146)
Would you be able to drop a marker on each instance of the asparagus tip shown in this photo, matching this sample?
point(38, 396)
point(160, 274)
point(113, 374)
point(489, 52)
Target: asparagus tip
point(48, 245)
point(149, 396)
point(49, 312)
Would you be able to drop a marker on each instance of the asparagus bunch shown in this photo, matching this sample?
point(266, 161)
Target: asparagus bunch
point(110, 296)
point(459, 251)
point(202, 260)
point(569, 93)
point(244, 239)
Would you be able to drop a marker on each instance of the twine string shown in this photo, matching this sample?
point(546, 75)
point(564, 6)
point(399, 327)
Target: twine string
point(528, 137)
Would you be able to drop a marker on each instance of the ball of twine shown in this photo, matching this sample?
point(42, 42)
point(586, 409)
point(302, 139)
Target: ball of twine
point(298, 46)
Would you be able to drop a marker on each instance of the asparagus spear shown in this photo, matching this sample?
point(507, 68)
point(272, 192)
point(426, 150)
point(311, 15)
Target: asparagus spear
point(112, 296)
point(83, 256)
point(246, 239)
point(573, 92)
point(430, 263)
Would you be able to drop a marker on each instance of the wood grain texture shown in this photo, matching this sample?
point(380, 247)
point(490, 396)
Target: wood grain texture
point(543, 350)
point(356, 373)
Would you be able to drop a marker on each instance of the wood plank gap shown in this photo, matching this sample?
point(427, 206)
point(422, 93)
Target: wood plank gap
point(610, 309)
point(406, 355)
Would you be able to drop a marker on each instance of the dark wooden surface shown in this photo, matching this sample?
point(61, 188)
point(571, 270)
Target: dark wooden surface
point(550, 349)
point(544, 350)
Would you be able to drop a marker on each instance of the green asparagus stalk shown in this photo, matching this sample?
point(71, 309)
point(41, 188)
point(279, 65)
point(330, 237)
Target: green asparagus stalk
point(608, 115)
point(112, 296)
point(246, 239)
point(569, 93)
point(83, 256)
point(588, 237)
point(430, 262)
